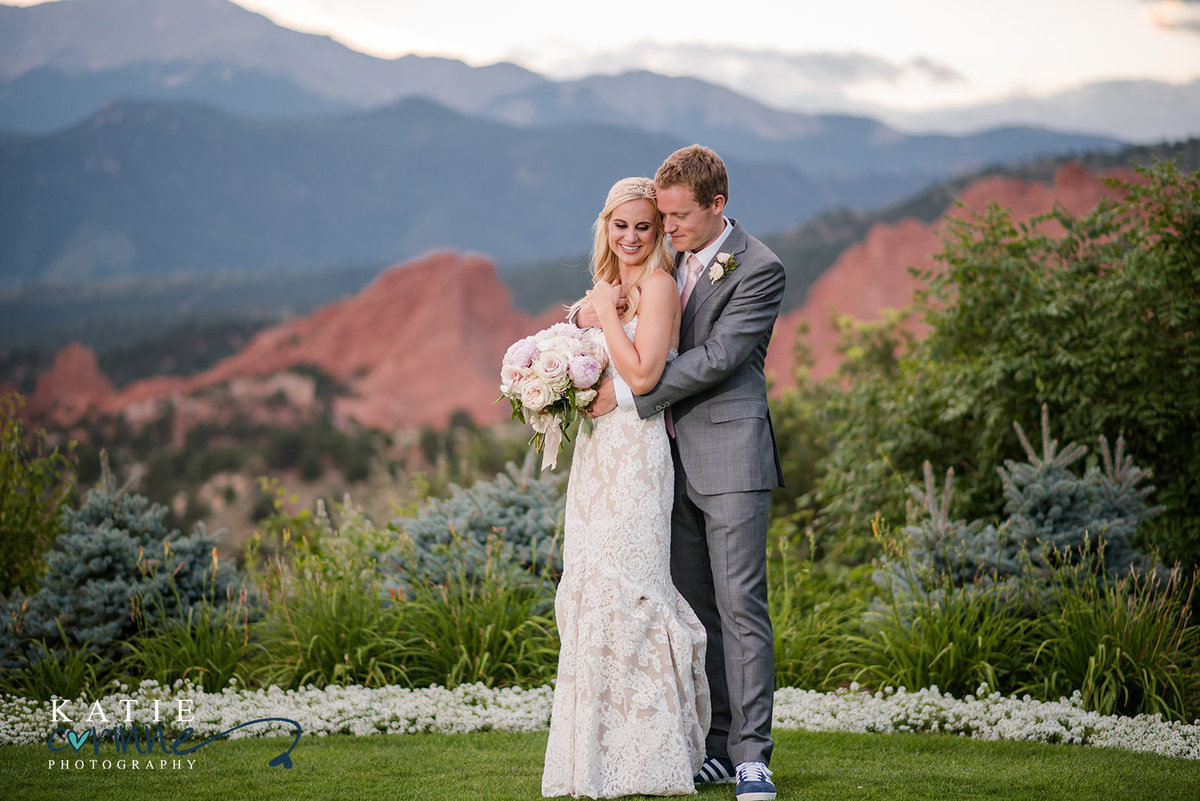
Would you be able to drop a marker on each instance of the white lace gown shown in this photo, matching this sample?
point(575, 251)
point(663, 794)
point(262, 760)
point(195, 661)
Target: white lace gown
point(631, 704)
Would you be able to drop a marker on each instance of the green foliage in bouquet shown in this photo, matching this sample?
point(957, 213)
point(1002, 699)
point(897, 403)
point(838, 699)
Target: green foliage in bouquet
point(520, 512)
point(115, 570)
point(1094, 316)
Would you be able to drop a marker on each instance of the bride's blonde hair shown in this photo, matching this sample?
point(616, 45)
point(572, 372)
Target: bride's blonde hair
point(604, 264)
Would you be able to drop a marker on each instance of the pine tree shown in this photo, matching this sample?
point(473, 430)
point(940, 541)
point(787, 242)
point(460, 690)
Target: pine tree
point(1054, 516)
point(515, 518)
point(1057, 515)
point(115, 567)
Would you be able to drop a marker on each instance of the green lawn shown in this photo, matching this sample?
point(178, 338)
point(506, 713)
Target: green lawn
point(496, 766)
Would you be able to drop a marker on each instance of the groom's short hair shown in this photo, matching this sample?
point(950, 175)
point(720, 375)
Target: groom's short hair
point(698, 168)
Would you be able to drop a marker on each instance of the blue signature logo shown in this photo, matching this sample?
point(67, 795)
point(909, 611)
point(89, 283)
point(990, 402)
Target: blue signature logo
point(143, 739)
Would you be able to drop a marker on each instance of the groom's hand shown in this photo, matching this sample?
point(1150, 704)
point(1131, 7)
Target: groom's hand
point(606, 399)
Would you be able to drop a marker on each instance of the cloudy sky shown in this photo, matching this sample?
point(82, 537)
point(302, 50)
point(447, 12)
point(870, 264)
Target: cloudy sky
point(904, 54)
point(907, 55)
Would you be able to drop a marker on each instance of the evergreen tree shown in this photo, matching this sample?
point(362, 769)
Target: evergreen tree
point(115, 567)
point(515, 518)
point(1054, 516)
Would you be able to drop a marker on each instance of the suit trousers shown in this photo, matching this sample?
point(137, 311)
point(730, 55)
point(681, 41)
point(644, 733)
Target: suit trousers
point(719, 565)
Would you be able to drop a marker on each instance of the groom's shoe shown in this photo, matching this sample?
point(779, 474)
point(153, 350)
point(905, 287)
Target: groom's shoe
point(754, 782)
point(715, 770)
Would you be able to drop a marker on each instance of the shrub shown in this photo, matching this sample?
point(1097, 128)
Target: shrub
point(816, 607)
point(1126, 644)
point(522, 514)
point(331, 620)
point(327, 618)
point(495, 627)
point(114, 568)
point(1098, 323)
point(35, 486)
point(69, 672)
point(1054, 516)
point(952, 637)
point(209, 645)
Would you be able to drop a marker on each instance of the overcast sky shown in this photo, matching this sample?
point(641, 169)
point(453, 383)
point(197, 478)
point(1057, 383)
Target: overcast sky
point(908, 54)
point(900, 54)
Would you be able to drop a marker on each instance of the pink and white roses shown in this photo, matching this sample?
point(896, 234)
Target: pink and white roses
point(549, 378)
point(722, 266)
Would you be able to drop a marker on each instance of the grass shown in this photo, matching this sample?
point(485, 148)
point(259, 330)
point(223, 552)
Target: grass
point(499, 766)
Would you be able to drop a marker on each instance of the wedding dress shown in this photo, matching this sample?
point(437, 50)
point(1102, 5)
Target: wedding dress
point(631, 705)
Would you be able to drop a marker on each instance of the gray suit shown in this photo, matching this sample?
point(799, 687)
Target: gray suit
point(726, 464)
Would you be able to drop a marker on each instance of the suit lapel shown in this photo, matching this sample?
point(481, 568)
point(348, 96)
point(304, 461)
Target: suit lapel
point(735, 243)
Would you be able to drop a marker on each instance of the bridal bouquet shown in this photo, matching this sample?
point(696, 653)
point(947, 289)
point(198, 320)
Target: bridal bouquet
point(549, 378)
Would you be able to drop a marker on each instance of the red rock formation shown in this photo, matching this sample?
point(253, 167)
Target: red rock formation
point(873, 275)
point(423, 340)
point(426, 338)
point(73, 386)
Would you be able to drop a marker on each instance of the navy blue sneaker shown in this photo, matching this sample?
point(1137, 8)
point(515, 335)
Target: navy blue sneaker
point(754, 782)
point(715, 770)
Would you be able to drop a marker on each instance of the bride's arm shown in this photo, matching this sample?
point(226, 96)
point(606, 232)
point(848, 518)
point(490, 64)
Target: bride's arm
point(640, 362)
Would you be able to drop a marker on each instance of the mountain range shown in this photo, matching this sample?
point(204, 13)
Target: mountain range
point(146, 137)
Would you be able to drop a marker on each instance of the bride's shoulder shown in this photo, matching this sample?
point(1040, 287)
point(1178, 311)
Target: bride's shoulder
point(660, 280)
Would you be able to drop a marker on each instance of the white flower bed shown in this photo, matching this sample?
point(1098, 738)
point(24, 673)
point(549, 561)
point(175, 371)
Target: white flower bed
point(393, 710)
point(984, 717)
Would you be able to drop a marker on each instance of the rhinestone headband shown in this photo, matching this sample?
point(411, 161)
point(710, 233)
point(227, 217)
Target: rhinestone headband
point(633, 191)
point(641, 189)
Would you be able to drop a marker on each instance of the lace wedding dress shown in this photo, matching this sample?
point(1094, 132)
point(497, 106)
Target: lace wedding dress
point(631, 705)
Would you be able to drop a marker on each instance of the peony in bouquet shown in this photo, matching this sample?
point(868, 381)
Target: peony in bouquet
point(549, 378)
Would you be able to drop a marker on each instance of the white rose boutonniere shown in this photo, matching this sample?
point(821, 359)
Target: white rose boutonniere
point(724, 264)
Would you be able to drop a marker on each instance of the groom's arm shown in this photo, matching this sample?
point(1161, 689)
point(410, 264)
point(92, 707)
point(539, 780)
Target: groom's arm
point(749, 314)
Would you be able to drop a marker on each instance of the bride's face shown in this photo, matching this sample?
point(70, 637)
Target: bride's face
point(631, 231)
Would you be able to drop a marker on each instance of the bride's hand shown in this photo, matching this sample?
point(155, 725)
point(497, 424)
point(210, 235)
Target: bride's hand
point(604, 295)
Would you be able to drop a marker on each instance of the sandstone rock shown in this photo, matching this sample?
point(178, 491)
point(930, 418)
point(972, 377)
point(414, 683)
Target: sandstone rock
point(873, 275)
point(423, 340)
point(71, 388)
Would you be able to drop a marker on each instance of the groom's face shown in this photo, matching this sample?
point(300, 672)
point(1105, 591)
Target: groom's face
point(690, 225)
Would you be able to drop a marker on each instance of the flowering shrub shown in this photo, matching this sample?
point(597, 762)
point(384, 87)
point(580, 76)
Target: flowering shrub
point(473, 707)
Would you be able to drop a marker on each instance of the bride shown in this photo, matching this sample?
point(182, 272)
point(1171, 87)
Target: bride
point(631, 704)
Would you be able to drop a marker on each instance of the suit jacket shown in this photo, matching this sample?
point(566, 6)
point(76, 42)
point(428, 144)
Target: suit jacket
point(716, 388)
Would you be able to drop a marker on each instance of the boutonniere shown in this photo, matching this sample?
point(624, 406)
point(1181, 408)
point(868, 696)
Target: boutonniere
point(725, 264)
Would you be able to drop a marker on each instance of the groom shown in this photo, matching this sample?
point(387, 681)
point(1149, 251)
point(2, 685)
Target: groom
point(726, 461)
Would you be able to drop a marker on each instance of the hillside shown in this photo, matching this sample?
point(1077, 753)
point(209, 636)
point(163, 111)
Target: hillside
point(151, 188)
point(873, 274)
point(424, 340)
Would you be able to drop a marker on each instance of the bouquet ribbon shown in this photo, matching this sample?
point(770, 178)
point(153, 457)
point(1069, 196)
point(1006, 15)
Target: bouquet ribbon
point(553, 441)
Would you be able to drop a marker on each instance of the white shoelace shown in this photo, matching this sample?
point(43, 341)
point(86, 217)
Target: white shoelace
point(753, 772)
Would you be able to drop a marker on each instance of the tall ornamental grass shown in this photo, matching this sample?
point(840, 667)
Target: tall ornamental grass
point(496, 628)
point(816, 609)
point(1127, 645)
point(335, 617)
point(953, 638)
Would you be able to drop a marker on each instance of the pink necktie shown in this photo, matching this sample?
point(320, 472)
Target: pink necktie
point(694, 268)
